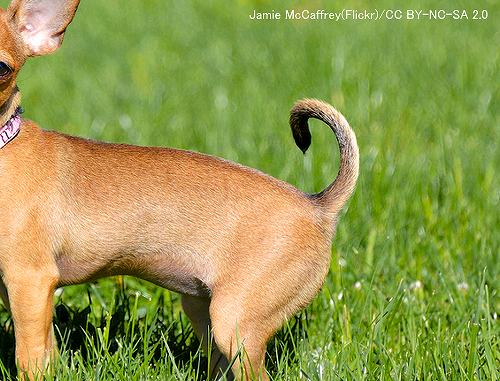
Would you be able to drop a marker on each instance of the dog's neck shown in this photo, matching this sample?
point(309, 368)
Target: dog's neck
point(9, 108)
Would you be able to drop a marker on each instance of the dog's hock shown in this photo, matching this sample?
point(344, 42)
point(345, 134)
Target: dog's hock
point(42, 23)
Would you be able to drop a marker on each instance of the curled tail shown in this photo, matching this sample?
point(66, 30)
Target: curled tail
point(334, 197)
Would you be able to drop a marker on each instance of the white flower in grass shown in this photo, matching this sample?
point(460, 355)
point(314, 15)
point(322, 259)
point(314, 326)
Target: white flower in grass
point(463, 286)
point(357, 285)
point(146, 296)
point(340, 295)
point(417, 285)
point(342, 262)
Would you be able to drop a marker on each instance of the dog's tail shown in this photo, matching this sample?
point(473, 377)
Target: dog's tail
point(334, 197)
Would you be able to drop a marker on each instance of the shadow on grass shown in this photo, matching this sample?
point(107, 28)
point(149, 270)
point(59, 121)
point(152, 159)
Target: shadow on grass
point(78, 331)
point(7, 347)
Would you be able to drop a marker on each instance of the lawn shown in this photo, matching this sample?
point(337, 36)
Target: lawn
point(413, 291)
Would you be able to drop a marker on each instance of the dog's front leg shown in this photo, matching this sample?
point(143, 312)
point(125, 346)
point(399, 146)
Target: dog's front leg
point(30, 294)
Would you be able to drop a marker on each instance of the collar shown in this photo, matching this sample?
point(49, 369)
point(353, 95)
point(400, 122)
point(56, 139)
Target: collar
point(11, 128)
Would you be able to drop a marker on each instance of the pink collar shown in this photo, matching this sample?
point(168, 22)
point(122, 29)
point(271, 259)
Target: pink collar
point(10, 129)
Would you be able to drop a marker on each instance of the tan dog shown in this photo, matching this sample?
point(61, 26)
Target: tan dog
point(245, 250)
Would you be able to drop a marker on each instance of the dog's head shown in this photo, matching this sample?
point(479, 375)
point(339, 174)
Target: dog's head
point(29, 28)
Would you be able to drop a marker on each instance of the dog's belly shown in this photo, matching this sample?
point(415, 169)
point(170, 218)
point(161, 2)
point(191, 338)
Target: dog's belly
point(169, 268)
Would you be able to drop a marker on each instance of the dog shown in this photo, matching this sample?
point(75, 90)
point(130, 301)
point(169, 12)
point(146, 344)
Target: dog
point(246, 251)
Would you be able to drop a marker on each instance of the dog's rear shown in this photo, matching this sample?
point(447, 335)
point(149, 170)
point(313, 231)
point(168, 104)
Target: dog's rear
point(284, 263)
point(245, 250)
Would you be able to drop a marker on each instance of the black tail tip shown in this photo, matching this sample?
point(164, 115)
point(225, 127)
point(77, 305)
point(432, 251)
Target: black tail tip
point(301, 134)
point(303, 144)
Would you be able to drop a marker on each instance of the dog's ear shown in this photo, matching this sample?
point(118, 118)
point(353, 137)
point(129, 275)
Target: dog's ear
point(41, 23)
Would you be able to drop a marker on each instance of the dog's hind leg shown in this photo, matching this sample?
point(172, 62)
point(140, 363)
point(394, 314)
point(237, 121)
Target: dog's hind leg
point(250, 306)
point(197, 310)
point(240, 338)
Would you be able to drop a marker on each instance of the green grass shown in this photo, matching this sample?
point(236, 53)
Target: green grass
point(413, 291)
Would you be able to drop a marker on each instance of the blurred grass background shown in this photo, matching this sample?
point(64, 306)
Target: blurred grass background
point(413, 291)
